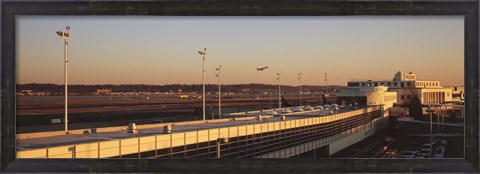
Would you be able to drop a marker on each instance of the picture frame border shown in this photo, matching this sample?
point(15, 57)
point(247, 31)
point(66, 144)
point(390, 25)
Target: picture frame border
point(467, 8)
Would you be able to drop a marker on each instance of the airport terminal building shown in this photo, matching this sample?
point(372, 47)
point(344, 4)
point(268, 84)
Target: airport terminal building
point(407, 86)
point(367, 95)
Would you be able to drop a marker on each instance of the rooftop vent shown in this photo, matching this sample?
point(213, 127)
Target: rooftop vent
point(132, 128)
point(167, 129)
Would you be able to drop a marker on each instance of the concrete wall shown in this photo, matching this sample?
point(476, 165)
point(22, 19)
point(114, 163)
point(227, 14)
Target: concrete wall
point(336, 142)
point(372, 128)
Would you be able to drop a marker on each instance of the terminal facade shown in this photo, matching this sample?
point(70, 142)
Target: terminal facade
point(407, 86)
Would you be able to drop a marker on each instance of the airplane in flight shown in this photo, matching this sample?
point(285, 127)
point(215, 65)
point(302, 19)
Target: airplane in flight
point(262, 68)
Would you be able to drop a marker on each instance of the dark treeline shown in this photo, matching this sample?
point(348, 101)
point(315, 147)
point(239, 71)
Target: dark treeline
point(236, 88)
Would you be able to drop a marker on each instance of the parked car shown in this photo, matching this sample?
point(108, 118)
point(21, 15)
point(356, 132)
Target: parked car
point(432, 141)
point(308, 107)
point(439, 152)
point(318, 107)
point(419, 156)
point(412, 149)
point(425, 152)
point(286, 111)
point(408, 155)
point(426, 146)
point(297, 109)
point(270, 113)
point(334, 106)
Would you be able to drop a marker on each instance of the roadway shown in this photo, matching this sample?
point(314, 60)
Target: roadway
point(76, 138)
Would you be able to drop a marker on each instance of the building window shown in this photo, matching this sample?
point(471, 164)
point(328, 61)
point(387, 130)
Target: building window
point(388, 83)
point(409, 97)
point(395, 84)
point(381, 84)
point(402, 97)
point(375, 84)
point(408, 83)
point(402, 84)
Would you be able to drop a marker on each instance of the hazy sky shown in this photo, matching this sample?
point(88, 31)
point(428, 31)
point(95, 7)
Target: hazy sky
point(162, 50)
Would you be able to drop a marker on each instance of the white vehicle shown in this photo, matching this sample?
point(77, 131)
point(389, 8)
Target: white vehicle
point(286, 111)
point(183, 96)
point(318, 107)
point(334, 107)
point(425, 153)
point(439, 152)
point(326, 106)
point(297, 109)
point(269, 113)
point(411, 150)
point(408, 155)
point(56, 121)
point(308, 107)
point(426, 150)
point(432, 141)
point(426, 147)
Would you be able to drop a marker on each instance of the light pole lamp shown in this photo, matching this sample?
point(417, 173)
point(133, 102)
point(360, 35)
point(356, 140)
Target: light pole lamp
point(279, 90)
point(204, 54)
point(219, 91)
point(66, 37)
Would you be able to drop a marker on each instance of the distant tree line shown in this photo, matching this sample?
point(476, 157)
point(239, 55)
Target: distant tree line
point(236, 88)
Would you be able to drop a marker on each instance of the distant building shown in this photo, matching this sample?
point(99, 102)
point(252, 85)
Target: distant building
point(458, 93)
point(367, 95)
point(26, 92)
point(104, 91)
point(407, 86)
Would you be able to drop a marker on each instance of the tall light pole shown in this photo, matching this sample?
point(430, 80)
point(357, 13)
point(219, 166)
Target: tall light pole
point(204, 54)
point(326, 76)
point(219, 91)
point(279, 90)
point(438, 121)
point(431, 127)
point(300, 82)
point(66, 37)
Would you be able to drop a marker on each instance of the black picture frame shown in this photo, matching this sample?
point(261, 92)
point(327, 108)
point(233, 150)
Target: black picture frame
point(467, 8)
